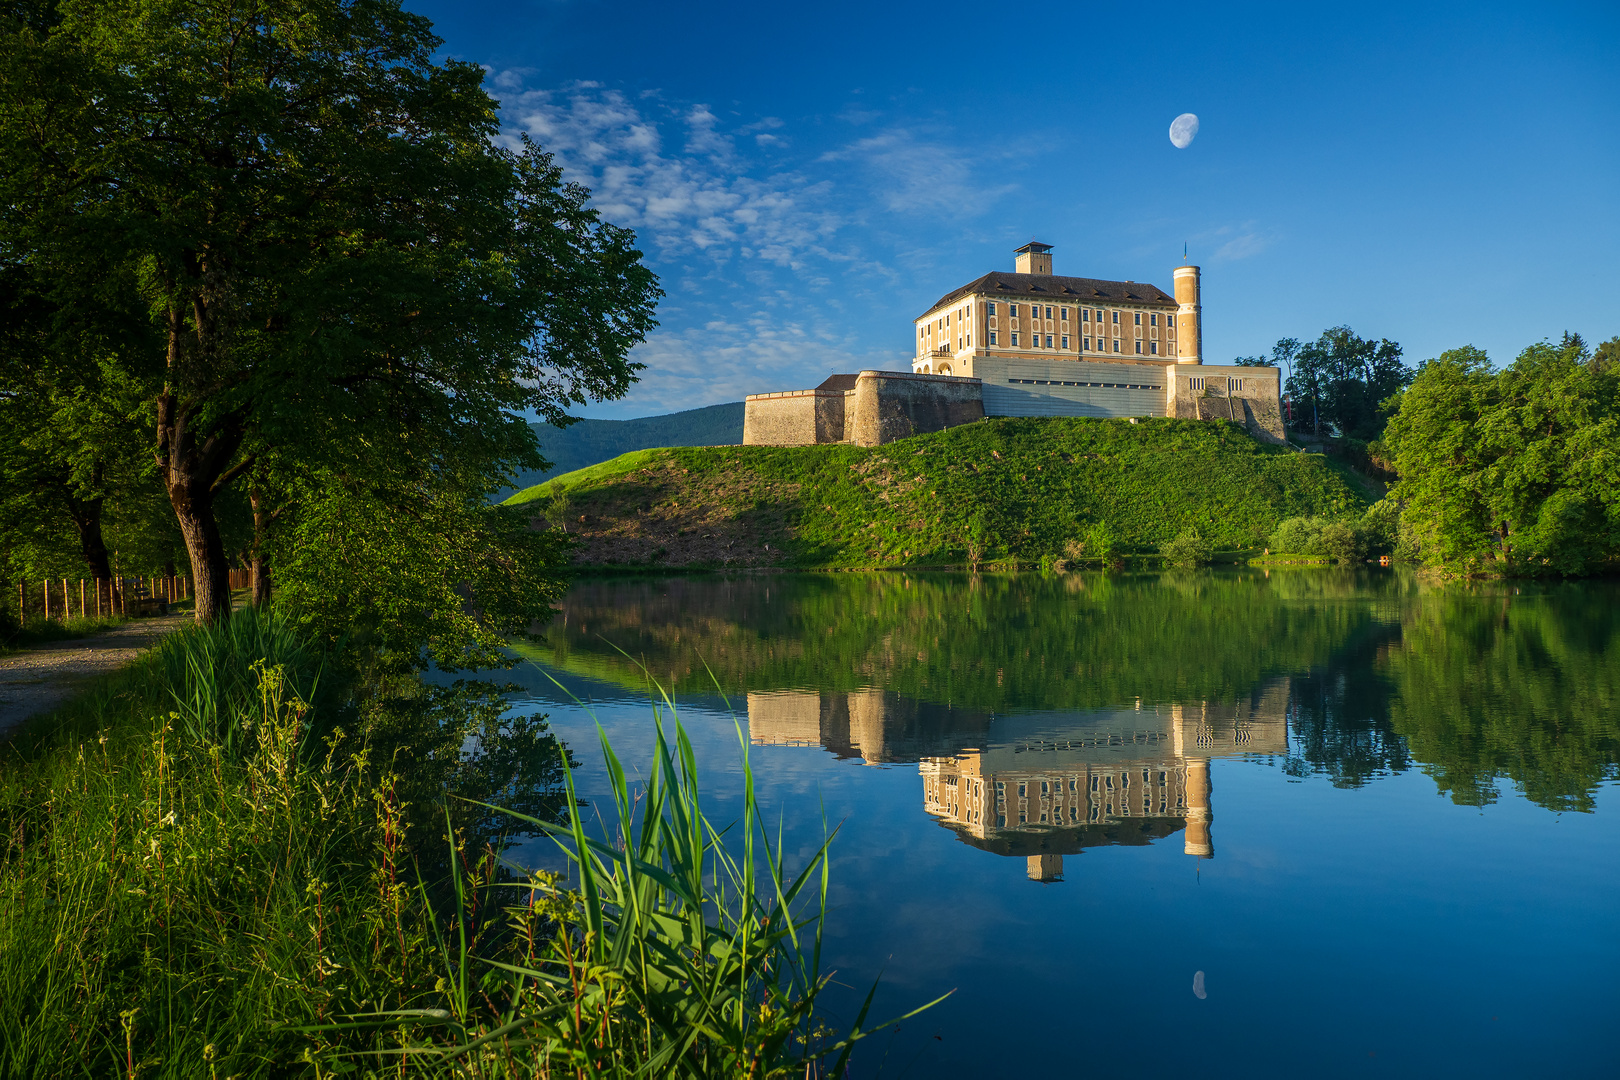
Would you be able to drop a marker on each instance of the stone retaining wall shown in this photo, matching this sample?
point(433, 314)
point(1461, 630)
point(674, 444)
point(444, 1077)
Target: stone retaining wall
point(1250, 396)
point(880, 407)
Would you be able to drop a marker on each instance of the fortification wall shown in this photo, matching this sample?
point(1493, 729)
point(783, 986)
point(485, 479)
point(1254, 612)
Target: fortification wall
point(890, 405)
point(1251, 396)
point(795, 418)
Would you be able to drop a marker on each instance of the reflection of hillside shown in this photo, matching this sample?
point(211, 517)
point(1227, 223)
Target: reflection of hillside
point(992, 643)
point(1040, 786)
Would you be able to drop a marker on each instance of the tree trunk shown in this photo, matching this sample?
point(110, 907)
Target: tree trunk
point(92, 545)
point(259, 559)
point(195, 467)
point(210, 570)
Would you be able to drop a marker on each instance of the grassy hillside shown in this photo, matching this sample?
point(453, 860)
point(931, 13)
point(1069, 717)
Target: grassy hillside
point(590, 441)
point(1024, 487)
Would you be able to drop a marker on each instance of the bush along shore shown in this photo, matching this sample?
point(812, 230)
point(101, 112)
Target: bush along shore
point(219, 864)
point(1022, 491)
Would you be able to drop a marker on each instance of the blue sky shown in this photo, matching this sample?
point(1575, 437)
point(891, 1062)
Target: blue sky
point(808, 180)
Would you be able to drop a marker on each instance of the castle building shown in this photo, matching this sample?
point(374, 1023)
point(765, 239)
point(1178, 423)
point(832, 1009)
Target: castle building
point(1033, 343)
point(1033, 314)
point(1043, 786)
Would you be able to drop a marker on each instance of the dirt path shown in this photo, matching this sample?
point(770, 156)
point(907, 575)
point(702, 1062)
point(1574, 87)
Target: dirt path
point(39, 679)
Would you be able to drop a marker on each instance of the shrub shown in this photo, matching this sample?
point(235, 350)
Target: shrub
point(1339, 540)
point(1188, 549)
point(1298, 536)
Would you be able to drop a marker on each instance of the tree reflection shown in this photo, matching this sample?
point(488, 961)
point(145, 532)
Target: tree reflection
point(1381, 670)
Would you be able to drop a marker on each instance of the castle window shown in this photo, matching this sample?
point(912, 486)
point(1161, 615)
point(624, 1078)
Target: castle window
point(1138, 317)
point(1064, 312)
point(1048, 313)
point(1012, 309)
point(1170, 321)
point(1116, 318)
point(1065, 342)
point(1116, 344)
point(1085, 315)
point(1153, 347)
point(1015, 338)
point(992, 337)
point(1048, 341)
point(1138, 348)
point(990, 309)
point(1153, 319)
point(1085, 343)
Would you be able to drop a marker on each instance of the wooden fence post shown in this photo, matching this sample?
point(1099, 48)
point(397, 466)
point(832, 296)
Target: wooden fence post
point(81, 598)
point(67, 602)
point(47, 598)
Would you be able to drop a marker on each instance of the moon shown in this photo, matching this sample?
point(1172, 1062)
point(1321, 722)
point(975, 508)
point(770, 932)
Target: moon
point(1183, 130)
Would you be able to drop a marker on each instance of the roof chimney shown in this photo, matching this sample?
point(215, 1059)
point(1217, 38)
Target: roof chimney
point(1034, 258)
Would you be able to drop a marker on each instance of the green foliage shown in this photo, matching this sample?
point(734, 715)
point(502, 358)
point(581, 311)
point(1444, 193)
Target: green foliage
point(1516, 471)
point(1189, 550)
point(352, 291)
point(1339, 382)
point(398, 577)
point(1345, 540)
point(1007, 489)
point(207, 898)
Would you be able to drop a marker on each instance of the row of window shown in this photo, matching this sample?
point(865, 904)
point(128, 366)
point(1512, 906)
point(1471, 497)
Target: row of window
point(1085, 343)
point(1086, 314)
point(1101, 385)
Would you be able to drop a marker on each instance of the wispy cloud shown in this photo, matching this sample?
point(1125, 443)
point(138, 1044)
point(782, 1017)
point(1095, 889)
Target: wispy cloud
point(676, 175)
point(760, 243)
point(1237, 242)
point(916, 174)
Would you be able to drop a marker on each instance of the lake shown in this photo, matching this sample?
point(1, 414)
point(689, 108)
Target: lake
point(1324, 822)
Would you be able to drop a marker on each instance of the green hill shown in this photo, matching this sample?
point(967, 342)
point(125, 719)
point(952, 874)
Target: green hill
point(1024, 487)
point(587, 442)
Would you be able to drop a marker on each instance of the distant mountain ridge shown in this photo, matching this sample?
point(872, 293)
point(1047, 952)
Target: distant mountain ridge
point(589, 442)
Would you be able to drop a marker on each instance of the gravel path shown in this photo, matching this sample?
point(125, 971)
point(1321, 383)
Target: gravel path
point(41, 678)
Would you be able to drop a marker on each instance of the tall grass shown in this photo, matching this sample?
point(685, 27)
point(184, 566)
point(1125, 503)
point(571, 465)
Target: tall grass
point(227, 863)
point(673, 954)
point(167, 908)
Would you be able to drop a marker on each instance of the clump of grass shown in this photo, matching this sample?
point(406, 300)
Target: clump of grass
point(167, 904)
point(674, 953)
point(215, 866)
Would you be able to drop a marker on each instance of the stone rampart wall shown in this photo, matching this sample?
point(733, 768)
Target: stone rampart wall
point(1250, 396)
point(890, 405)
point(796, 418)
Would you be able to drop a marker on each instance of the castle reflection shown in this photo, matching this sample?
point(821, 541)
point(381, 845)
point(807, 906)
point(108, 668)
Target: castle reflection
point(1041, 786)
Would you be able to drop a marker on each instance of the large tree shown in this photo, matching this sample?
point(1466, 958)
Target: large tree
point(1339, 381)
point(1514, 471)
point(356, 283)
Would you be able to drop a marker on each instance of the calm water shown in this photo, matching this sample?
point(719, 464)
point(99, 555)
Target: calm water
point(1317, 822)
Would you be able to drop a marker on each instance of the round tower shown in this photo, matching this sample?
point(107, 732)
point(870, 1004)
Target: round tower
point(1197, 840)
point(1190, 317)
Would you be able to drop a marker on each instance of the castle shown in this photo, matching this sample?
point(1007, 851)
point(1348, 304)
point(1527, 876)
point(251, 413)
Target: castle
point(1041, 786)
point(1032, 343)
